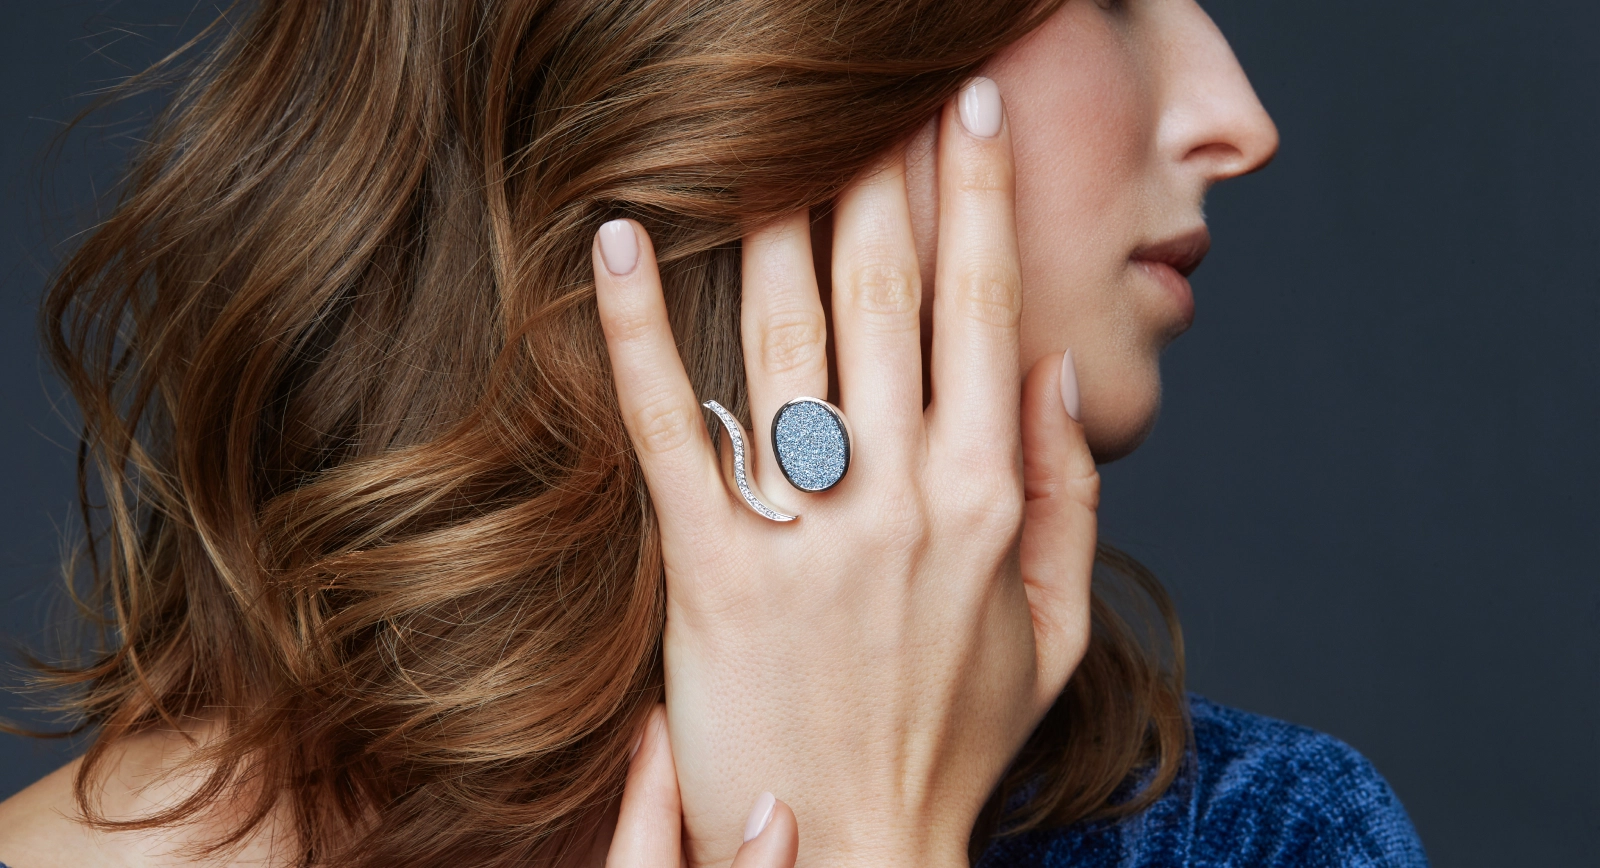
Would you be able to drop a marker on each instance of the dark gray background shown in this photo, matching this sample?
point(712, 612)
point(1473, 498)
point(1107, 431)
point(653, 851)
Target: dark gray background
point(1374, 487)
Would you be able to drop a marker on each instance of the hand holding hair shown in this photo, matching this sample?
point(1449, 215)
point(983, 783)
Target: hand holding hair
point(881, 660)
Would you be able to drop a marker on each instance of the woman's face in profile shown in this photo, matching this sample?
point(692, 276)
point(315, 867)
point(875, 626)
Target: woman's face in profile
point(1123, 114)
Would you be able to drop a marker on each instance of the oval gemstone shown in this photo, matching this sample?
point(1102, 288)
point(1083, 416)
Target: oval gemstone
point(811, 443)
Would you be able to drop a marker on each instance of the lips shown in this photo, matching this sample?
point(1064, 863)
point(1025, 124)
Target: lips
point(1170, 263)
point(1183, 253)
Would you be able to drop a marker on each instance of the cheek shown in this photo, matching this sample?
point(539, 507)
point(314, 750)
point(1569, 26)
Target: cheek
point(1083, 124)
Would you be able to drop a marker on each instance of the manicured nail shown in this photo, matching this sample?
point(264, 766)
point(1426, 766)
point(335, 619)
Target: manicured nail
point(1069, 388)
point(760, 816)
point(619, 247)
point(980, 108)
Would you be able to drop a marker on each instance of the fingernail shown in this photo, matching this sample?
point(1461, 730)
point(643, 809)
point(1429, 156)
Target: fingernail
point(638, 741)
point(1069, 388)
point(980, 108)
point(619, 247)
point(650, 723)
point(760, 816)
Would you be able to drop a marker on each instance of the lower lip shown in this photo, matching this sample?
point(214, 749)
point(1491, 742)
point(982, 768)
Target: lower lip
point(1176, 285)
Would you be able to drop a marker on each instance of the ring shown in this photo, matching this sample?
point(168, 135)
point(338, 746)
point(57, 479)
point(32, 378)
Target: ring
point(812, 443)
point(741, 474)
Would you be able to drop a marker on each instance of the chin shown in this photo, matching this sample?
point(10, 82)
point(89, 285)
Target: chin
point(1118, 419)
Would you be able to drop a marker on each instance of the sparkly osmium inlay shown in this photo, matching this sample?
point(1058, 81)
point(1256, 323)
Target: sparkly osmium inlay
point(741, 475)
point(811, 443)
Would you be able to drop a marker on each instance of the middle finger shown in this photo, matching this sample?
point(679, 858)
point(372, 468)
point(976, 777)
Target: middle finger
point(784, 332)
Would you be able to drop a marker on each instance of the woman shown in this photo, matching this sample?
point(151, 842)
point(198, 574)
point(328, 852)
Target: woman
point(395, 472)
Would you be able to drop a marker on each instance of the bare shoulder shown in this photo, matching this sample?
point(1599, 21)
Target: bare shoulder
point(43, 827)
point(40, 827)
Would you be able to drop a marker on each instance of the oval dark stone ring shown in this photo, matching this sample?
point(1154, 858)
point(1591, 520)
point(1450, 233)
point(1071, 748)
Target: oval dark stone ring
point(812, 443)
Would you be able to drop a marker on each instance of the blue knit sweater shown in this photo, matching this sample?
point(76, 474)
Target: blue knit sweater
point(1256, 793)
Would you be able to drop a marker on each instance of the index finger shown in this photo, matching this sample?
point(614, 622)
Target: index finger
point(977, 301)
point(653, 391)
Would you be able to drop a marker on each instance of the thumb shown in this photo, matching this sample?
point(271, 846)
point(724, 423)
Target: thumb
point(1062, 487)
point(772, 836)
point(650, 822)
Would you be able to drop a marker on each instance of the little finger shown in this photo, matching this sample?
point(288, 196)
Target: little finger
point(1062, 487)
point(977, 302)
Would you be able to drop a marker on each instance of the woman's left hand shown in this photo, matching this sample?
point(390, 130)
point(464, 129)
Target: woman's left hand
point(650, 824)
point(882, 660)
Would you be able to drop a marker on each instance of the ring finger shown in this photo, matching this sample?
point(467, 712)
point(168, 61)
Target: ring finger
point(877, 326)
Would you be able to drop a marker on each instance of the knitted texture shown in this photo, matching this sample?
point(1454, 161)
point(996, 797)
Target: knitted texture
point(1254, 793)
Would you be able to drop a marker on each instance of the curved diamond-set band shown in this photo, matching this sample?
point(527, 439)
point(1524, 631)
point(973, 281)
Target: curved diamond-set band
point(811, 441)
point(741, 473)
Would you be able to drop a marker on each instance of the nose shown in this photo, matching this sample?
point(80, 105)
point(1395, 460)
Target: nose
point(1212, 122)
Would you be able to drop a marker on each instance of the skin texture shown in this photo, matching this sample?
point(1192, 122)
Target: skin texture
point(1123, 116)
point(1119, 117)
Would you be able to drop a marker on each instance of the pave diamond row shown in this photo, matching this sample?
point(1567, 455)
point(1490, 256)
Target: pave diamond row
point(741, 479)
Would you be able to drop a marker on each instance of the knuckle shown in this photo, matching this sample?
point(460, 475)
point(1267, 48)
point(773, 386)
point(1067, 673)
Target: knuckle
point(986, 174)
point(793, 342)
point(1084, 489)
point(989, 504)
point(631, 324)
point(662, 426)
point(886, 288)
point(900, 520)
point(990, 294)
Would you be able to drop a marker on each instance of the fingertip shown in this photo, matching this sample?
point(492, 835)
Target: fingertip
point(1071, 400)
point(777, 844)
point(619, 246)
point(649, 820)
point(1053, 445)
point(1044, 389)
point(980, 108)
point(760, 815)
point(652, 737)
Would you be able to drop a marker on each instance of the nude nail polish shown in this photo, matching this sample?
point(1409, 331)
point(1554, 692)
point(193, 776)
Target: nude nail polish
point(760, 816)
point(619, 247)
point(980, 108)
point(1070, 398)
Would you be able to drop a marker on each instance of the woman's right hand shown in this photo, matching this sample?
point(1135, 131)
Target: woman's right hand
point(881, 660)
point(650, 820)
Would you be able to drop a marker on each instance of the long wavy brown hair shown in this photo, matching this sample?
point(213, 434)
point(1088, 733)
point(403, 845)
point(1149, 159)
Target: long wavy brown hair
point(356, 485)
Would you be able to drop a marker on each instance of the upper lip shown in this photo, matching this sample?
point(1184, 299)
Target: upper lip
point(1183, 252)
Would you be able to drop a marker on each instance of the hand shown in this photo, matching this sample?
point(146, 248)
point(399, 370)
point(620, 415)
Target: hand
point(881, 660)
point(650, 820)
